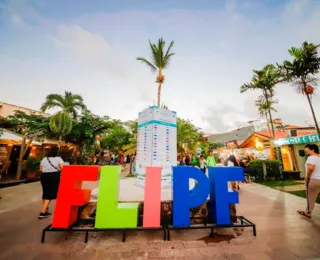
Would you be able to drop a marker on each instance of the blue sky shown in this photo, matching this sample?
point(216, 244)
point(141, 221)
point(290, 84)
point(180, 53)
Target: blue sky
point(89, 47)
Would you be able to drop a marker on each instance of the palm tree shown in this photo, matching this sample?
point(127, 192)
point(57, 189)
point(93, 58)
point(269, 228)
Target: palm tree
point(264, 106)
point(300, 72)
point(163, 105)
point(160, 61)
point(265, 80)
point(61, 122)
point(131, 147)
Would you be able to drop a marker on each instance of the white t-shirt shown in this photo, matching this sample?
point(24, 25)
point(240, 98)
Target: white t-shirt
point(230, 164)
point(314, 160)
point(202, 165)
point(55, 161)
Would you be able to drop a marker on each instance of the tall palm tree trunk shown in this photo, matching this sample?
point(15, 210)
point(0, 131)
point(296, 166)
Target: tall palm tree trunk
point(269, 112)
point(266, 115)
point(160, 79)
point(59, 144)
point(159, 95)
point(272, 127)
point(271, 122)
point(311, 107)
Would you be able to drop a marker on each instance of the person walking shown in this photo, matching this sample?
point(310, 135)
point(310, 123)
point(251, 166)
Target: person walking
point(232, 162)
point(202, 164)
point(219, 162)
point(50, 168)
point(210, 160)
point(312, 178)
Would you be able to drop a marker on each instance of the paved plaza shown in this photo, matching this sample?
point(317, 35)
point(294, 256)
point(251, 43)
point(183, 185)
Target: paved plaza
point(281, 232)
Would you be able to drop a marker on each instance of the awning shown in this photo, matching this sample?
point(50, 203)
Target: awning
point(10, 136)
point(17, 139)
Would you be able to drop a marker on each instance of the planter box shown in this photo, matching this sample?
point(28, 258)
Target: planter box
point(31, 175)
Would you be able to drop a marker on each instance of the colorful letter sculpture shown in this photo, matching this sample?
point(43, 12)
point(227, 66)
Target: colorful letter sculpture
point(152, 197)
point(70, 195)
point(110, 213)
point(183, 199)
point(220, 197)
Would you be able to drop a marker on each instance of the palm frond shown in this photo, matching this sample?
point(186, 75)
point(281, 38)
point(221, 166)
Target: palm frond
point(69, 103)
point(169, 48)
point(153, 68)
point(166, 59)
point(61, 123)
point(160, 56)
point(247, 86)
point(52, 100)
point(299, 84)
point(155, 53)
point(49, 104)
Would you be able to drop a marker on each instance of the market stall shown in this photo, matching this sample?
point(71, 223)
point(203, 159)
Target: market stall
point(292, 150)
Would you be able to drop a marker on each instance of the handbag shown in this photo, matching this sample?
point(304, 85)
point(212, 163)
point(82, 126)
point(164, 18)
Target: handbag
point(58, 169)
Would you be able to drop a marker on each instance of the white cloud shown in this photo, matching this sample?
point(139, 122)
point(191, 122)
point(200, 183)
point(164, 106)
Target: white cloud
point(81, 42)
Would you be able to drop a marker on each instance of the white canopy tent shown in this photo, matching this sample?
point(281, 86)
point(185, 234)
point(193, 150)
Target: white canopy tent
point(15, 138)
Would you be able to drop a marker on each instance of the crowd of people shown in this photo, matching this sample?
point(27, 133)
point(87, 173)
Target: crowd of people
point(199, 161)
point(111, 159)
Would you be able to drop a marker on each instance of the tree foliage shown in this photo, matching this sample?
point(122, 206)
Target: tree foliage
point(131, 146)
point(116, 137)
point(69, 105)
point(265, 80)
point(86, 129)
point(187, 135)
point(61, 123)
point(160, 61)
point(22, 123)
point(215, 145)
point(306, 62)
point(301, 70)
point(132, 125)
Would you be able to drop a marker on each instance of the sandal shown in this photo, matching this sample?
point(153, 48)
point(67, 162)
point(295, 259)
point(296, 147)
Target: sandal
point(303, 213)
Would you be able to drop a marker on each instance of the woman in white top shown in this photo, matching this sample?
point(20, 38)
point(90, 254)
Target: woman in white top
point(50, 168)
point(232, 162)
point(312, 178)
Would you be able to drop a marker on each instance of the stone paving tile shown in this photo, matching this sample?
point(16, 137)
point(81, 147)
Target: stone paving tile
point(256, 256)
point(282, 254)
point(18, 196)
point(194, 244)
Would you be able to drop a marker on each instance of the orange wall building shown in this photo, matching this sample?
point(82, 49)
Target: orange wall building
point(9, 110)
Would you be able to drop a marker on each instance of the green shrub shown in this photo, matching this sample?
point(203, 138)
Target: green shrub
point(272, 166)
point(273, 169)
point(32, 165)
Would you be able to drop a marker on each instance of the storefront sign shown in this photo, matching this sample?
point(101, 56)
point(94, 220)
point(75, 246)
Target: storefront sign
point(314, 138)
point(112, 214)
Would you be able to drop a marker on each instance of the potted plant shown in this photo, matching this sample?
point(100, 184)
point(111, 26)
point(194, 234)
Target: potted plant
point(32, 166)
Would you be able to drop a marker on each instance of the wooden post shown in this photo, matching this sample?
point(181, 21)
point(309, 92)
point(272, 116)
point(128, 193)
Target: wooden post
point(22, 152)
point(264, 167)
